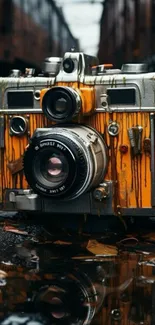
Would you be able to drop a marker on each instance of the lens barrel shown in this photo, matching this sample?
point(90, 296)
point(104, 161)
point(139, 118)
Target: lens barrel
point(65, 161)
point(61, 104)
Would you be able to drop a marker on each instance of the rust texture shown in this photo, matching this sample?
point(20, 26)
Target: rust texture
point(130, 173)
point(11, 174)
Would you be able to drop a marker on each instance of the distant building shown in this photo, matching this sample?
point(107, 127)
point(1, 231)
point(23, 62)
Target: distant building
point(31, 30)
point(127, 31)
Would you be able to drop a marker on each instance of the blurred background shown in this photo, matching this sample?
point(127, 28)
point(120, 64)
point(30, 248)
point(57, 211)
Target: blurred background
point(116, 31)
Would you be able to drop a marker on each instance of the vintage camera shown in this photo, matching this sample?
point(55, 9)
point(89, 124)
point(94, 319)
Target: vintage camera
point(20, 115)
point(98, 157)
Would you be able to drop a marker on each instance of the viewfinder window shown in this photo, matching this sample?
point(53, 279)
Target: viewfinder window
point(121, 96)
point(20, 99)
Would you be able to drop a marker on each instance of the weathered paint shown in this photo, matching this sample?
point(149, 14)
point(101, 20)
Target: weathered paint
point(14, 150)
point(131, 175)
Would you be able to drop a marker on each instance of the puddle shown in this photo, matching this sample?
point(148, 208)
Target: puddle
point(75, 280)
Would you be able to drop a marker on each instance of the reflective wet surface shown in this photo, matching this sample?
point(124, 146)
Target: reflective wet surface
point(76, 279)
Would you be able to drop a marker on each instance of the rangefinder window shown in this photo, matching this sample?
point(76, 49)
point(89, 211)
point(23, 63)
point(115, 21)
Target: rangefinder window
point(121, 96)
point(20, 99)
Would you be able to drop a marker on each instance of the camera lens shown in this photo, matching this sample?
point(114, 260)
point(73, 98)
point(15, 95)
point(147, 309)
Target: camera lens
point(65, 161)
point(61, 104)
point(68, 65)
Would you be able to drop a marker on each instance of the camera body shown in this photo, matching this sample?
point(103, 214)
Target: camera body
point(97, 158)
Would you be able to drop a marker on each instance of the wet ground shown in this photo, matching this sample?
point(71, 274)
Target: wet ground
point(69, 277)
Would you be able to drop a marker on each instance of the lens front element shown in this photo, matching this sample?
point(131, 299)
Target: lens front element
point(61, 104)
point(51, 168)
point(54, 166)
